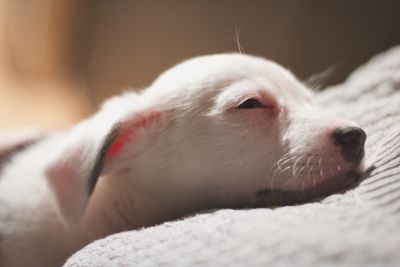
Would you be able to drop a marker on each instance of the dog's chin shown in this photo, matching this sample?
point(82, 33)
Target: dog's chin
point(337, 183)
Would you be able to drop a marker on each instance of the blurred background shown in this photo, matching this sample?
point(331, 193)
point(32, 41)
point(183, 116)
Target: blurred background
point(59, 59)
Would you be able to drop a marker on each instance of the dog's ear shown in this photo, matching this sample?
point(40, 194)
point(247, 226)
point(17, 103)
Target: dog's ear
point(93, 149)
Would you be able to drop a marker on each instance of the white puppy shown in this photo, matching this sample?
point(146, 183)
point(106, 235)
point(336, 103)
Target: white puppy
point(226, 130)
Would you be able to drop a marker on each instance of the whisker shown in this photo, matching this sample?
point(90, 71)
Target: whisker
point(271, 186)
point(237, 37)
point(309, 172)
point(299, 172)
point(295, 164)
point(309, 160)
point(281, 165)
point(320, 168)
point(285, 161)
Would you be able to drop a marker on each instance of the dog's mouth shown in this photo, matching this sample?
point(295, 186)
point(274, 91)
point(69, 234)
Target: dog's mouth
point(337, 183)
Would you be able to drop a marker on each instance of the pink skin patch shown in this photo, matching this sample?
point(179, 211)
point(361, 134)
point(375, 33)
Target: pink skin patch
point(127, 129)
point(118, 144)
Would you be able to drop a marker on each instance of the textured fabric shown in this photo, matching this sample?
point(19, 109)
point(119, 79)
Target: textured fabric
point(358, 228)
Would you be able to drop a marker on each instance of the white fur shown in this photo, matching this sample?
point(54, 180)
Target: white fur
point(198, 152)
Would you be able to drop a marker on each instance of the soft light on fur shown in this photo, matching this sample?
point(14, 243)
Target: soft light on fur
point(180, 146)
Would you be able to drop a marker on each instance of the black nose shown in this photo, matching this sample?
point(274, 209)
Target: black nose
point(351, 140)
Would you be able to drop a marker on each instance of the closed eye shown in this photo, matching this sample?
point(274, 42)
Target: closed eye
point(250, 104)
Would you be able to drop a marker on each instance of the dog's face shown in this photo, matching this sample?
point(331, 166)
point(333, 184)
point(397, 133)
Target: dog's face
point(243, 124)
point(229, 128)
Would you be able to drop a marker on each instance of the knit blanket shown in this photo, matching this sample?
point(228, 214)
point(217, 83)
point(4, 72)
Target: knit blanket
point(360, 227)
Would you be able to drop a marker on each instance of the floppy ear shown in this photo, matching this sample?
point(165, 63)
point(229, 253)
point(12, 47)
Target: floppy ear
point(93, 149)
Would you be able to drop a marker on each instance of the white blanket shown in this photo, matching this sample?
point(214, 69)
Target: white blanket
point(360, 227)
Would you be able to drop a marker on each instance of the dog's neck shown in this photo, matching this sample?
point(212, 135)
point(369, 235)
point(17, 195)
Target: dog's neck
point(113, 208)
point(110, 210)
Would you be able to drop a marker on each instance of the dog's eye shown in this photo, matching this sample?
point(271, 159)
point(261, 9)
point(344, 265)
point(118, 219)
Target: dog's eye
point(250, 103)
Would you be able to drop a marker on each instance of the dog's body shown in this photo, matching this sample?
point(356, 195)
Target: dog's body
point(215, 131)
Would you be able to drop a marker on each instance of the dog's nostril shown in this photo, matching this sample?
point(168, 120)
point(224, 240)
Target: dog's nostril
point(352, 137)
point(351, 140)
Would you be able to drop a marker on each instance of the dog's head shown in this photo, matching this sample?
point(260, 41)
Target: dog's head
point(221, 129)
